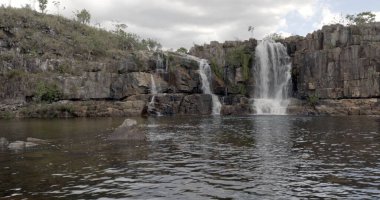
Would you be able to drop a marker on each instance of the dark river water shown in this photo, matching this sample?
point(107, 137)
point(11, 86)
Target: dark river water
point(255, 157)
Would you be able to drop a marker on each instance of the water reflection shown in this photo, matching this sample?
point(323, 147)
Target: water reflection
point(258, 157)
point(274, 156)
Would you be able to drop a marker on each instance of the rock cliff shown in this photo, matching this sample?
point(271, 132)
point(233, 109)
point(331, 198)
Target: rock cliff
point(337, 62)
point(48, 71)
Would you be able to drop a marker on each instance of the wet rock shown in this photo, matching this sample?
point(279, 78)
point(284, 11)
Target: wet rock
point(30, 145)
point(16, 145)
point(128, 131)
point(37, 141)
point(334, 107)
point(21, 145)
point(196, 104)
point(167, 104)
point(128, 123)
point(236, 105)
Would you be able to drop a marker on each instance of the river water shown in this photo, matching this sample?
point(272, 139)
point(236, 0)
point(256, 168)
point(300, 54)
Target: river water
point(255, 157)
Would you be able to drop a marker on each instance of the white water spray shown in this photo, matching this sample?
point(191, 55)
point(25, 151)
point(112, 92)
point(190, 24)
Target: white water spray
point(272, 77)
point(205, 73)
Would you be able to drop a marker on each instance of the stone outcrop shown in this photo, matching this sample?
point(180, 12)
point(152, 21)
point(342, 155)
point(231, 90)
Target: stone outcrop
point(337, 62)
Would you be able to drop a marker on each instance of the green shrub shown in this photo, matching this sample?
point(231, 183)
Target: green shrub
point(246, 66)
point(238, 57)
point(47, 92)
point(218, 71)
point(7, 115)
point(312, 100)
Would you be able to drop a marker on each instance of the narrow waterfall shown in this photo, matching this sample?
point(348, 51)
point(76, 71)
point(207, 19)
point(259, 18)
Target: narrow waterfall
point(205, 73)
point(272, 77)
point(160, 67)
point(153, 91)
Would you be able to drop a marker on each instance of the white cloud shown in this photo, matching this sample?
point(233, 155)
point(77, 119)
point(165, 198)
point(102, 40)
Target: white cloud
point(327, 17)
point(377, 16)
point(177, 23)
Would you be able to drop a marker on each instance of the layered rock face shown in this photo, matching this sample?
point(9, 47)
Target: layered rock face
point(339, 66)
point(337, 62)
point(231, 63)
point(120, 88)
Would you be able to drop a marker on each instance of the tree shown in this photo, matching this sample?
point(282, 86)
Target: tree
point(182, 50)
point(251, 29)
point(83, 16)
point(150, 44)
point(361, 18)
point(42, 4)
point(274, 36)
point(57, 4)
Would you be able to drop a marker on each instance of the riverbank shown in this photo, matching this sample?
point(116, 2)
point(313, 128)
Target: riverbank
point(138, 108)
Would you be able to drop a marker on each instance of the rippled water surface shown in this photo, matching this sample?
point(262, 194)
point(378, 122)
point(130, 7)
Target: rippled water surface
point(257, 157)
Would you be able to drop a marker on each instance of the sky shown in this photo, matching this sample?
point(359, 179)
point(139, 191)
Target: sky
point(183, 23)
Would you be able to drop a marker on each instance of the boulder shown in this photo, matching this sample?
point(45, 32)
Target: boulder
point(166, 104)
point(196, 104)
point(16, 146)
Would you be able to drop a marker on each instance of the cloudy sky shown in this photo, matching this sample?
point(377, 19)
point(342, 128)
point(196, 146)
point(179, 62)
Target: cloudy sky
point(177, 23)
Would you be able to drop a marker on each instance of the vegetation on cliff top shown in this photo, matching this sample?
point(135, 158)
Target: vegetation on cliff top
point(49, 36)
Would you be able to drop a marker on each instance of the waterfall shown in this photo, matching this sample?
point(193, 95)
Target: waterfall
point(205, 73)
point(160, 67)
point(153, 91)
point(272, 77)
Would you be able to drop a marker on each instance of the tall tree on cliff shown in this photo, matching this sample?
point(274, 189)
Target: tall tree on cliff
point(361, 18)
point(83, 16)
point(42, 4)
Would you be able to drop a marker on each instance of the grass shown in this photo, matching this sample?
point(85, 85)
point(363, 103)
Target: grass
point(49, 111)
point(51, 36)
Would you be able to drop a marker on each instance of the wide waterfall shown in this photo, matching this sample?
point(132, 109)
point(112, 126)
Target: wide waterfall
point(272, 77)
point(205, 73)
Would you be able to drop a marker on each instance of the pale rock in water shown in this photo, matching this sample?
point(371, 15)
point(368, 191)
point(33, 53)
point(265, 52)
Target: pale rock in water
point(128, 131)
point(36, 140)
point(21, 145)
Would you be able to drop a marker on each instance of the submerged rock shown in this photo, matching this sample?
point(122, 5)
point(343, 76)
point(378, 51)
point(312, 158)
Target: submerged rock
point(128, 123)
point(128, 131)
point(23, 145)
point(16, 145)
point(36, 140)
